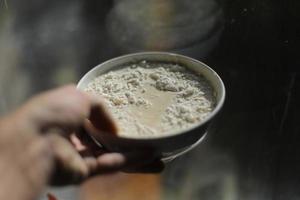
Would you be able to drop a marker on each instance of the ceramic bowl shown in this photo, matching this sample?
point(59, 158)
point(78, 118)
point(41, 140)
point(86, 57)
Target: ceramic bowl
point(164, 146)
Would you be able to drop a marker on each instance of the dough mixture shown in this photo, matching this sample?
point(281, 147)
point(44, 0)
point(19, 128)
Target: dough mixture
point(150, 99)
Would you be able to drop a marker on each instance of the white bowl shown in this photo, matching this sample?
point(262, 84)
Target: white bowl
point(164, 146)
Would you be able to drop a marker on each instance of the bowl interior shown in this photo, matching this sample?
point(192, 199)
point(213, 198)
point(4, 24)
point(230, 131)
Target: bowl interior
point(192, 64)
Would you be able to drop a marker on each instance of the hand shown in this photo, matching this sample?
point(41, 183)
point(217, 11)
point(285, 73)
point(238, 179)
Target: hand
point(36, 141)
point(57, 114)
point(77, 156)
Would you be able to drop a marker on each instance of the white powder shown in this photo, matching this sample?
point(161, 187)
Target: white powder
point(154, 99)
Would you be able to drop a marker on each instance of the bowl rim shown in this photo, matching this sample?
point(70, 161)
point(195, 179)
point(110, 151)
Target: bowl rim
point(210, 116)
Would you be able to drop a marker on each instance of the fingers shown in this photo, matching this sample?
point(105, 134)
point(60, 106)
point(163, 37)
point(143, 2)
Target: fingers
point(77, 143)
point(67, 108)
point(105, 163)
point(100, 116)
point(111, 161)
point(81, 140)
point(144, 161)
point(130, 163)
point(70, 167)
point(37, 153)
point(102, 120)
point(64, 107)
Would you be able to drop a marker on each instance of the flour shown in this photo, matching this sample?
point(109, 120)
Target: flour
point(154, 99)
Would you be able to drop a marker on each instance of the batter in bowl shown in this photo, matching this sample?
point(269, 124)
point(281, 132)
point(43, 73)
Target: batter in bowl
point(150, 99)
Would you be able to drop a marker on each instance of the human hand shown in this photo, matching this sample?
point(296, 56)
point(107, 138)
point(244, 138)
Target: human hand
point(77, 156)
point(38, 141)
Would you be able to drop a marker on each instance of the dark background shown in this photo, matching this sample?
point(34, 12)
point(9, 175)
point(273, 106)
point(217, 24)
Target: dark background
point(253, 150)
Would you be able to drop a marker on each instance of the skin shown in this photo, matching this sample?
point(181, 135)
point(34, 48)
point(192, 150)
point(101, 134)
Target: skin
point(42, 142)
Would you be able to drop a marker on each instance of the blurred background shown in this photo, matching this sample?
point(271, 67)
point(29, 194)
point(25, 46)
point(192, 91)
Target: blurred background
point(251, 152)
